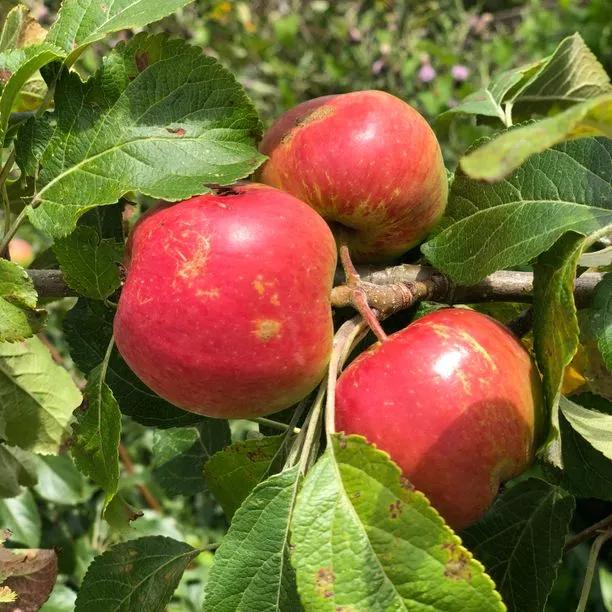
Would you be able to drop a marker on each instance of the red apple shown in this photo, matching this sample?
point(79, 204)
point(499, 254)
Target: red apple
point(225, 310)
point(455, 400)
point(367, 162)
point(21, 252)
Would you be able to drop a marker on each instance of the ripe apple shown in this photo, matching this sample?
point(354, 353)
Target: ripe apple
point(455, 400)
point(225, 310)
point(367, 162)
point(21, 252)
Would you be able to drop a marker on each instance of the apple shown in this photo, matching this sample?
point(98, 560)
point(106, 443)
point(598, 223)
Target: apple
point(455, 400)
point(226, 306)
point(21, 252)
point(367, 162)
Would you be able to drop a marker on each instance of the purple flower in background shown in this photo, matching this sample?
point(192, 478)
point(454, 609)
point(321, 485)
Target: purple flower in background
point(427, 73)
point(460, 72)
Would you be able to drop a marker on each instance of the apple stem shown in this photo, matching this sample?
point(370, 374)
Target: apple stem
point(274, 424)
point(358, 297)
point(349, 334)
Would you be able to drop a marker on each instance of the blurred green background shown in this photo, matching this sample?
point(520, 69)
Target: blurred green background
point(431, 54)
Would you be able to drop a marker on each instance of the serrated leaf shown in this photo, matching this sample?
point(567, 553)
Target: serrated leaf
point(158, 117)
point(96, 434)
point(88, 328)
point(20, 29)
point(492, 227)
point(16, 67)
point(587, 471)
point(119, 514)
point(17, 469)
point(555, 327)
point(60, 482)
point(37, 397)
point(252, 570)
point(520, 541)
point(233, 473)
point(136, 575)
point(601, 319)
point(19, 317)
point(503, 154)
point(30, 573)
point(593, 426)
point(20, 516)
point(179, 455)
point(365, 540)
point(82, 22)
point(571, 75)
point(90, 263)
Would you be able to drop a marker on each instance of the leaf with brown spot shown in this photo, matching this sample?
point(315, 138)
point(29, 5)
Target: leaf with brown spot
point(363, 541)
point(232, 473)
point(139, 574)
point(30, 573)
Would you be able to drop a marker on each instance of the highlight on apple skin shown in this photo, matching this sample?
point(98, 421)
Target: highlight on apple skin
point(368, 163)
point(455, 400)
point(225, 310)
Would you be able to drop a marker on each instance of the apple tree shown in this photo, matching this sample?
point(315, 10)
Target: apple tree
point(437, 468)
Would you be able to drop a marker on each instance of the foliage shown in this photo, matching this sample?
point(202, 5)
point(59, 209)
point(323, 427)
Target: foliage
point(135, 494)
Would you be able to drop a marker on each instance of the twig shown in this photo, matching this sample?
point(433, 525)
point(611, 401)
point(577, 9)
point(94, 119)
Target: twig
point(588, 533)
point(590, 569)
point(144, 490)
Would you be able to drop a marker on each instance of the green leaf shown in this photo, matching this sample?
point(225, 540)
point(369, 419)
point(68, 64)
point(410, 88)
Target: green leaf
point(593, 426)
point(520, 541)
point(136, 575)
point(82, 22)
point(481, 102)
point(601, 319)
point(89, 262)
point(492, 227)
point(17, 469)
point(587, 471)
point(158, 117)
point(19, 317)
point(96, 434)
point(570, 75)
point(490, 101)
point(179, 455)
point(88, 328)
point(60, 482)
point(504, 154)
point(20, 515)
point(37, 397)
point(231, 474)
point(365, 540)
point(555, 326)
point(62, 599)
point(16, 67)
point(252, 570)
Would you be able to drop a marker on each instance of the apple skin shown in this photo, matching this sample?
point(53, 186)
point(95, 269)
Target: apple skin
point(367, 162)
point(457, 403)
point(21, 252)
point(226, 311)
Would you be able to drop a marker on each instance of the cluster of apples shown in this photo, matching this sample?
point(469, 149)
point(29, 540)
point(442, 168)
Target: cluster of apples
point(226, 306)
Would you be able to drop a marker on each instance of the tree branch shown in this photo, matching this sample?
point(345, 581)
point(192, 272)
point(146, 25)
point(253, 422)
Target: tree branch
point(398, 287)
point(386, 288)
